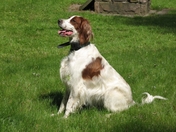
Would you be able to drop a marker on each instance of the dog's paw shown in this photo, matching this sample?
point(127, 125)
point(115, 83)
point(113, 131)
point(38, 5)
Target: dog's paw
point(53, 115)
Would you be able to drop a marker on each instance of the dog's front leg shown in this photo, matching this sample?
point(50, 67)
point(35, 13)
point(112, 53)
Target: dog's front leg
point(64, 101)
point(72, 104)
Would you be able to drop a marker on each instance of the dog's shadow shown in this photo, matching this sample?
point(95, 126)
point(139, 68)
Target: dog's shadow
point(54, 97)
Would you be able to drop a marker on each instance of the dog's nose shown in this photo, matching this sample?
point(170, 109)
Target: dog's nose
point(60, 21)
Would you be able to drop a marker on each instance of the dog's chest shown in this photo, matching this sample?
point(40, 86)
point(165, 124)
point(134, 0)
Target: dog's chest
point(71, 68)
point(73, 65)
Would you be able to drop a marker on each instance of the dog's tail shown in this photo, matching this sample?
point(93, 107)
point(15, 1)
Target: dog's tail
point(150, 98)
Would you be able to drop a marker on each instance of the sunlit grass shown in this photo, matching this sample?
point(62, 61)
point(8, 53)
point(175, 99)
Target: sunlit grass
point(141, 49)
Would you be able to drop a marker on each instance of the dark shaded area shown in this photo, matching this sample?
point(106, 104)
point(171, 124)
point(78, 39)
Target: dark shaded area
point(138, 126)
point(88, 5)
point(55, 97)
point(165, 22)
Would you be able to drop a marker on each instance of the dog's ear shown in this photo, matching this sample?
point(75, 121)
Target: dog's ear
point(85, 34)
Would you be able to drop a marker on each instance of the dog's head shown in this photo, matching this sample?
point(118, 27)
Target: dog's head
point(77, 28)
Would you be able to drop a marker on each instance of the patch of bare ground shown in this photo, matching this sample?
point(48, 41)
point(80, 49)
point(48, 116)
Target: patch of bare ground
point(74, 7)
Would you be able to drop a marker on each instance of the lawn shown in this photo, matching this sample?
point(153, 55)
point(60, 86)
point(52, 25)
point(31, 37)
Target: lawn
point(141, 49)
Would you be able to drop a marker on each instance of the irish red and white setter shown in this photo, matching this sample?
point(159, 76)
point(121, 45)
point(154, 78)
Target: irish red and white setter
point(87, 75)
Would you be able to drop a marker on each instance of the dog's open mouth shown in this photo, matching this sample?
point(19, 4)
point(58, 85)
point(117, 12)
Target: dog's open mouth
point(65, 33)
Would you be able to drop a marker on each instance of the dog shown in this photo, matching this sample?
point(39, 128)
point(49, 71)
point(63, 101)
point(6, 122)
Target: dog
point(87, 75)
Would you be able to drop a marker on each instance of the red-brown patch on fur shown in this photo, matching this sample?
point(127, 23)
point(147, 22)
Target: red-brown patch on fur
point(92, 69)
point(83, 27)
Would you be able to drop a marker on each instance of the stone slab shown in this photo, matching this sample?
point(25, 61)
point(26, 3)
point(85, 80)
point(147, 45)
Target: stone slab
point(122, 8)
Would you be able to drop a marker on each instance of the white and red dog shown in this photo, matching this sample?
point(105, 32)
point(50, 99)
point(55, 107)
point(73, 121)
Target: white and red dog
point(89, 78)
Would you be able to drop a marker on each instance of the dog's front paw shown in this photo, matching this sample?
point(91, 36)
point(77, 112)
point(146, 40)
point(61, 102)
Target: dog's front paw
point(55, 114)
point(52, 114)
point(65, 116)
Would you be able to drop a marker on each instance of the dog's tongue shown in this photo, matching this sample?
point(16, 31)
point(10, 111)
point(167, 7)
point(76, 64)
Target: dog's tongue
point(64, 32)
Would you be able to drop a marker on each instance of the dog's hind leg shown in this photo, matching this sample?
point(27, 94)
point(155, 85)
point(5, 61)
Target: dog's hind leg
point(116, 101)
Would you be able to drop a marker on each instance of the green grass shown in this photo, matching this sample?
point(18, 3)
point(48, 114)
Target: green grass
point(141, 49)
